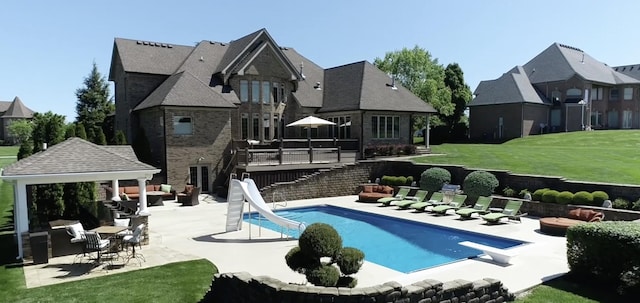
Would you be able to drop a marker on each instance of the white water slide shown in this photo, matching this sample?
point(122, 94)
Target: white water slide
point(239, 191)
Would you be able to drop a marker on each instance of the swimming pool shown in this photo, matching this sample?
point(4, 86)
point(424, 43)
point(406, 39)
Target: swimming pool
point(399, 244)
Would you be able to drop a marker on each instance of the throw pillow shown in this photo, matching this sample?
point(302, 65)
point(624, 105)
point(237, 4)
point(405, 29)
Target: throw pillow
point(165, 188)
point(75, 231)
point(368, 189)
point(121, 222)
point(124, 197)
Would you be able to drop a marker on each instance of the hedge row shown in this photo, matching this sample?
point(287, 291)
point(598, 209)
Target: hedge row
point(396, 180)
point(547, 195)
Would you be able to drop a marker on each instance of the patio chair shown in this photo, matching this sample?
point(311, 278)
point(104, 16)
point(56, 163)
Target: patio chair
point(481, 207)
point(419, 197)
point(94, 243)
point(133, 240)
point(456, 203)
point(189, 197)
point(402, 192)
point(435, 198)
point(511, 211)
point(76, 232)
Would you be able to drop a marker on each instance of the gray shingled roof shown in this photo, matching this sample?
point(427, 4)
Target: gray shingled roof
point(235, 49)
point(629, 70)
point(306, 94)
point(184, 89)
point(139, 56)
point(76, 155)
point(17, 109)
point(4, 105)
point(362, 86)
point(561, 62)
point(512, 87)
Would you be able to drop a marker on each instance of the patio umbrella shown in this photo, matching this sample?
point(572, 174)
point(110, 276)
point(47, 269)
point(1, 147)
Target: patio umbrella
point(310, 122)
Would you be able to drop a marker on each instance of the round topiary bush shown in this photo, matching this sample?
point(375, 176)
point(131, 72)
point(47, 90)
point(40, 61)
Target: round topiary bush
point(350, 260)
point(434, 178)
point(599, 197)
point(565, 197)
point(347, 281)
point(479, 183)
point(537, 195)
point(320, 240)
point(298, 261)
point(550, 196)
point(323, 275)
point(620, 203)
point(583, 198)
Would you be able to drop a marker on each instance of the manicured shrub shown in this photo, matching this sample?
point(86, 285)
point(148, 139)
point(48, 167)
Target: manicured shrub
point(323, 275)
point(479, 183)
point(583, 198)
point(620, 203)
point(350, 260)
point(318, 253)
point(599, 197)
point(525, 194)
point(636, 205)
point(409, 180)
point(605, 251)
point(550, 196)
point(395, 180)
point(509, 192)
point(537, 195)
point(409, 149)
point(320, 240)
point(432, 179)
point(298, 261)
point(630, 282)
point(565, 197)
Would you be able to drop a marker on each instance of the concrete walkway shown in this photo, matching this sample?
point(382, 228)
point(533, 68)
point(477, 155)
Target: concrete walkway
point(186, 233)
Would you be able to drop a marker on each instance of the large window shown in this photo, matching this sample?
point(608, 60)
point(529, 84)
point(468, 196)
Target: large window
point(342, 129)
point(265, 92)
point(255, 125)
point(385, 127)
point(596, 119)
point(182, 125)
point(276, 128)
point(614, 94)
point(245, 126)
point(255, 91)
point(278, 93)
point(597, 93)
point(627, 119)
point(628, 93)
point(266, 118)
point(244, 90)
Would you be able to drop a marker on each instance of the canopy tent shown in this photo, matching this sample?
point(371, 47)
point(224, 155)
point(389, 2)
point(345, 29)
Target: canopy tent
point(74, 160)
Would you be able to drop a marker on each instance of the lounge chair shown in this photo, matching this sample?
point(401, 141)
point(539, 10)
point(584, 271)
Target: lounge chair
point(510, 211)
point(456, 203)
point(481, 207)
point(402, 192)
point(435, 198)
point(419, 197)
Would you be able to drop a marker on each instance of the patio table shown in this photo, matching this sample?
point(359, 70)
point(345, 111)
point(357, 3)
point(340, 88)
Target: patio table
point(155, 198)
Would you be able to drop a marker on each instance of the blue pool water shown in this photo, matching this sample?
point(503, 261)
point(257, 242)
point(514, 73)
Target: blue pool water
point(399, 244)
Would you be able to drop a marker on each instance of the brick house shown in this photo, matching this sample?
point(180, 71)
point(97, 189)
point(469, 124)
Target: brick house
point(193, 102)
point(11, 111)
point(561, 89)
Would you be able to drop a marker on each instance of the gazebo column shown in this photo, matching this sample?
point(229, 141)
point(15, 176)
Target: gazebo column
point(142, 185)
point(21, 214)
point(115, 185)
point(427, 134)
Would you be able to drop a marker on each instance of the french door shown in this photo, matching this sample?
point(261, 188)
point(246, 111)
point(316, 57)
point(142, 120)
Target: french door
point(199, 176)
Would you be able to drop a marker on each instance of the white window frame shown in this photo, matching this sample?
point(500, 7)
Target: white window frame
point(386, 127)
point(628, 93)
point(181, 126)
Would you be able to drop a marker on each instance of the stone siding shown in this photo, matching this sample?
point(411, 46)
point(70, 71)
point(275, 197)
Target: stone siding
point(207, 146)
point(244, 288)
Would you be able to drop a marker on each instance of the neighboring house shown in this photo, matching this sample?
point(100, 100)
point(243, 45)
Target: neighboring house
point(561, 89)
point(11, 111)
point(193, 102)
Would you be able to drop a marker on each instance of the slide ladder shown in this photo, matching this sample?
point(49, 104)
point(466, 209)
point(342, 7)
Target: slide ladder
point(239, 191)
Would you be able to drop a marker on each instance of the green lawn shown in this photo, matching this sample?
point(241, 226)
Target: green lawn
point(602, 156)
point(176, 282)
point(9, 150)
point(566, 291)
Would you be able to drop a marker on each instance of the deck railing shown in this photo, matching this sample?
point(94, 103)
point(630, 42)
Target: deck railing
point(253, 157)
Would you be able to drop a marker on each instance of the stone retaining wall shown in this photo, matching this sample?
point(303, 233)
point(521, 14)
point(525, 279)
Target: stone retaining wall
point(345, 180)
point(244, 288)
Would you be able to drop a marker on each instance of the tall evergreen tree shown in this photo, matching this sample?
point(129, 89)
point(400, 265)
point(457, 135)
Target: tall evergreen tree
point(120, 138)
point(70, 131)
point(460, 92)
point(94, 102)
point(80, 131)
point(100, 139)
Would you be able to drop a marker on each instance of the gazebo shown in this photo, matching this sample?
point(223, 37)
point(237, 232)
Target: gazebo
point(74, 160)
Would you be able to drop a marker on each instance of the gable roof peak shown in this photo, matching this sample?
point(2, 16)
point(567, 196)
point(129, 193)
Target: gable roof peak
point(569, 47)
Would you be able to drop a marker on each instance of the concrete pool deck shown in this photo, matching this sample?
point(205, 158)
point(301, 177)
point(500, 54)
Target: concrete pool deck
point(185, 233)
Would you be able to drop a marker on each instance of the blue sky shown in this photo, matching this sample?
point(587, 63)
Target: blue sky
point(47, 47)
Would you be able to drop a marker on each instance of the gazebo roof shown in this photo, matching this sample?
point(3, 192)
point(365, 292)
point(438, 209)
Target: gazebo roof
point(77, 160)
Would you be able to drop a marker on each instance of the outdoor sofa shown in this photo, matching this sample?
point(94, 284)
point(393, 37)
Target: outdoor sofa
point(373, 192)
point(559, 225)
point(133, 192)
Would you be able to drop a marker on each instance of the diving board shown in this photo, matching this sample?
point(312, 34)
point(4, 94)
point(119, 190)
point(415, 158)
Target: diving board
point(502, 256)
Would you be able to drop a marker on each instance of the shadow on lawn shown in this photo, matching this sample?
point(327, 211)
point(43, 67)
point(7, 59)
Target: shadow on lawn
point(589, 289)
